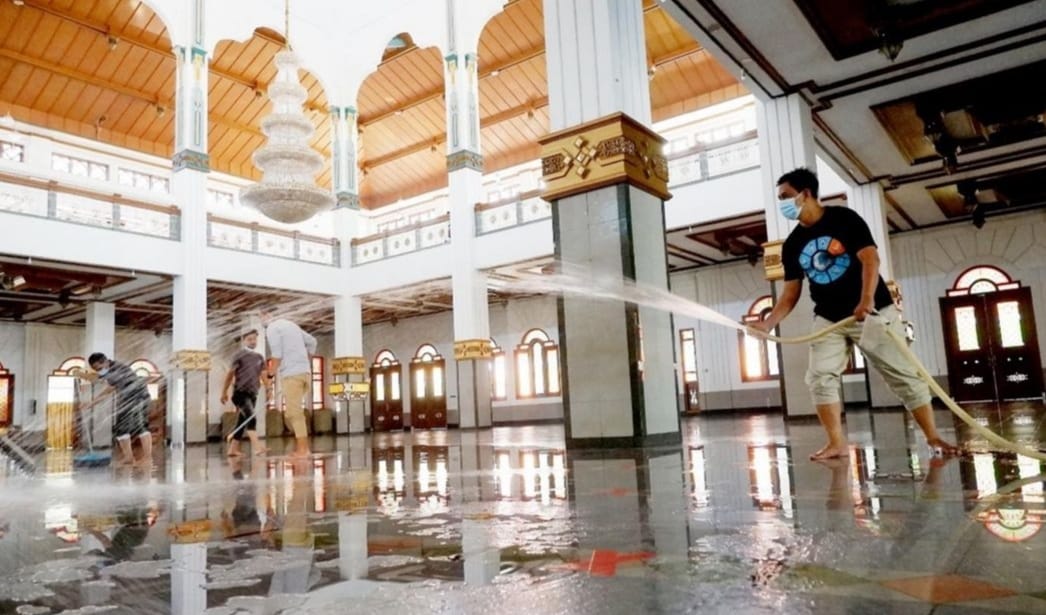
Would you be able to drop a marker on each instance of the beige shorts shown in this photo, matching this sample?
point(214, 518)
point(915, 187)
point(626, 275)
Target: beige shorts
point(830, 354)
point(294, 390)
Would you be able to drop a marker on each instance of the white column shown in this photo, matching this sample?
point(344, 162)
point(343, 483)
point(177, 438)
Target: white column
point(100, 336)
point(786, 142)
point(100, 333)
point(465, 165)
point(597, 62)
point(188, 577)
point(869, 201)
point(478, 549)
point(344, 165)
point(350, 416)
point(187, 401)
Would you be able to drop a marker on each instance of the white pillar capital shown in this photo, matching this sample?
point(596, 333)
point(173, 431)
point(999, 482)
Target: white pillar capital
point(190, 126)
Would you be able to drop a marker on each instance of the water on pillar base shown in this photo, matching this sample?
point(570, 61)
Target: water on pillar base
point(619, 387)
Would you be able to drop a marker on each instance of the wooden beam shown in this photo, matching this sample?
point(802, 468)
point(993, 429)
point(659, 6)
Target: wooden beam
point(167, 52)
point(84, 78)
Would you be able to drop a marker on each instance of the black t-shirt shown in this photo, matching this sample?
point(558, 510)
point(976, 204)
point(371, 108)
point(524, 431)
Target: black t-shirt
point(130, 388)
point(826, 253)
point(248, 366)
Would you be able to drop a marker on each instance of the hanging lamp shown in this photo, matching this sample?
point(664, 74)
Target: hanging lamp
point(287, 191)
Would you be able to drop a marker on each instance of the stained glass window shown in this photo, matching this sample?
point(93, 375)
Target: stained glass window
point(317, 383)
point(1010, 324)
point(430, 368)
point(982, 279)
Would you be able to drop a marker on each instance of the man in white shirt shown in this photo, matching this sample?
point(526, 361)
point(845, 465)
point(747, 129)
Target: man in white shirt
point(290, 352)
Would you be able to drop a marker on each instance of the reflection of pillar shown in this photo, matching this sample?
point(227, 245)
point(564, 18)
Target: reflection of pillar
point(634, 506)
point(298, 540)
point(786, 141)
point(482, 557)
point(607, 179)
point(352, 545)
point(349, 366)
point(188, 577)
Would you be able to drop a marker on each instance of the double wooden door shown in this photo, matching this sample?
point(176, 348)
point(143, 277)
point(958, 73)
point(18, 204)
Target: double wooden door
point(386, 398)
point(992, 346)
point(428, 396)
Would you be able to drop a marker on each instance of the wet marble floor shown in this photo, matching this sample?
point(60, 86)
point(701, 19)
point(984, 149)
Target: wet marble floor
point(734, 521)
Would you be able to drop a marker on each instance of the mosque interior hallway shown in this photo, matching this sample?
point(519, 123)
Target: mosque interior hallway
point(735, 520)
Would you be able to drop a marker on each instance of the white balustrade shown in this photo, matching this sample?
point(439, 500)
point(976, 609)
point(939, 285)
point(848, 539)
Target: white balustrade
point(429, 234)
point(501, 216)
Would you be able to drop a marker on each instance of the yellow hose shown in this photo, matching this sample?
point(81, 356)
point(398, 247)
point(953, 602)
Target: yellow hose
point(956, 409)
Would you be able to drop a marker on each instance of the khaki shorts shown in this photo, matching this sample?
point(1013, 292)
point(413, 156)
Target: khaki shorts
point(294, 390)
point(830, 354)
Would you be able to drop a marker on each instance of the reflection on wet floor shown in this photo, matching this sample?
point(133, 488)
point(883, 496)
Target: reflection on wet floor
point(463, 522)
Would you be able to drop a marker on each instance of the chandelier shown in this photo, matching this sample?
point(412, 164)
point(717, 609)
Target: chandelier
point(287, 191)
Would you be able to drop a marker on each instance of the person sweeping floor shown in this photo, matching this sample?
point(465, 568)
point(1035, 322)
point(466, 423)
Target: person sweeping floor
point(132, 407)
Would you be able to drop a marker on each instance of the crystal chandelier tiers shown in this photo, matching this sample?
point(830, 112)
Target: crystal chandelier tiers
point(287, 191)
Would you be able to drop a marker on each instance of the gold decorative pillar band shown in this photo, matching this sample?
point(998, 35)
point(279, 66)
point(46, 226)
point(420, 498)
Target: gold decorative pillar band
point(772, 261)
point(612, 150)
point(473, 349)
point(350, 390)
point(342, 366)
point(192, 360)
point(191, 531)
point(354, 495)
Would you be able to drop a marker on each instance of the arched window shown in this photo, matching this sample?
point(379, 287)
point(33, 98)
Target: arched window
point(433, 375)
point(537, 366)
point(758, 356)
point(7, 396)
point(317, 383)
point(498, 376)
point(145, 368)
point(387, 367)
point(71, 367)
point(982, 279)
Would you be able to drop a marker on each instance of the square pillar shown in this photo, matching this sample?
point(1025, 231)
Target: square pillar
point(786, 141)
point(607, 181)
point(349, 365)
point(100, 336)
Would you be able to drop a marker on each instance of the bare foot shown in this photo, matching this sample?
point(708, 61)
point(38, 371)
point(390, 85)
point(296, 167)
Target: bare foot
point(233, 453)
point(830, 452)
point(943, 447)
point(261, 451)
point(125, 462)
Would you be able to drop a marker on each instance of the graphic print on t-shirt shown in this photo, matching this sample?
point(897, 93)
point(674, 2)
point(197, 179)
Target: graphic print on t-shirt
point(824, 260)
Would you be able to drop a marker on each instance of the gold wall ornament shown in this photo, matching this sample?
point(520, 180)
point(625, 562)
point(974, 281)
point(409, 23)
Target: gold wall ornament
point(192, 360)
point(611, 150)
point(772, 260)
point(895, 292)
point(342, 366)
point(473, 349)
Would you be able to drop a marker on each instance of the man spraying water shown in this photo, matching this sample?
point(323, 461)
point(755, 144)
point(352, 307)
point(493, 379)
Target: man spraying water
point(834, 249)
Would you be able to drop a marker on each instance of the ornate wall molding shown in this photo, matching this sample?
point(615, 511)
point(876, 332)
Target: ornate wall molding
point(473, 349)
point(189, 159)
point(464, 159)
point(611, 150)
point(342, 366)
point(192, 360)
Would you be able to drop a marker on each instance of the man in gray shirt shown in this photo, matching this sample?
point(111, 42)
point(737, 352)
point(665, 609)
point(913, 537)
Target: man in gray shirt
point(290, 351)
point(246, 374)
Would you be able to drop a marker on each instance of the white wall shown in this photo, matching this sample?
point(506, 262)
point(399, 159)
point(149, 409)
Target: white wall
point(927, 263)
point(508, 324)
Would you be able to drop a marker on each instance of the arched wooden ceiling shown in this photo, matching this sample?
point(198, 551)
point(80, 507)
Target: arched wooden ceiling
point(513, 96)
point(104, 70)
point(57, 70)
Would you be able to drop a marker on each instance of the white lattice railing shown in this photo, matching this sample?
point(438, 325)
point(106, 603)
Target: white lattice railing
point(428, 234)
point(701, 164)
point(57, 202)
point(524, 209)
point(248, 237)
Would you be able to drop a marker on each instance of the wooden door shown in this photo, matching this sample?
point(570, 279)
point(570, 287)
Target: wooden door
point(688, 365)
point(971, 375)
point(386, 409)
point(428, 397)
point(7, 397)
point(1015, 345)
